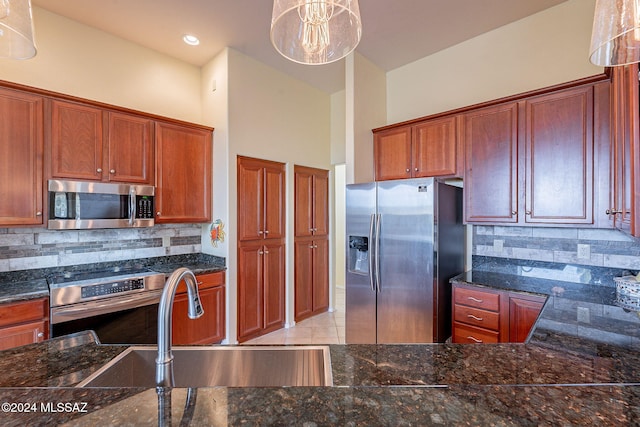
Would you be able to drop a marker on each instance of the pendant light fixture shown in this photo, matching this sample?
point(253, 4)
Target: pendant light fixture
point(615, 39)
point(16, 30)
point(315, 31)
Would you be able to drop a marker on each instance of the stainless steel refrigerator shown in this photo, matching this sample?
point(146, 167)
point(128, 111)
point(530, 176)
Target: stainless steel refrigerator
point(405, 240)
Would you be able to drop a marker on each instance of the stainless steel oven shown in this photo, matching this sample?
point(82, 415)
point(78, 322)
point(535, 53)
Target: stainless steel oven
point(120, 306)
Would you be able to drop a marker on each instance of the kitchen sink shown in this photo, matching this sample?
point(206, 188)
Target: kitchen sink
point(229, 366)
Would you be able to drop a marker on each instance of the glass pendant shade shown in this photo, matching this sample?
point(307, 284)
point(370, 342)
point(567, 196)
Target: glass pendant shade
point(315, 31)
point(615, 39)
point(16, 30)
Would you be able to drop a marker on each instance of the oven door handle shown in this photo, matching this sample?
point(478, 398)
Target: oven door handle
point(104, 306)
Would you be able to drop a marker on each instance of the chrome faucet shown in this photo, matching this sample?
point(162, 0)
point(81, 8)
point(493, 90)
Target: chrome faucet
point(164, 361)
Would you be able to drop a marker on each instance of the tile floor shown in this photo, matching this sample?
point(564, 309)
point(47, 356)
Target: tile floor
point(325, 328)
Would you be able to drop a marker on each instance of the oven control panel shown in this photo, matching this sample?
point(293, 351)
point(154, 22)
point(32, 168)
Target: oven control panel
point(112, 288)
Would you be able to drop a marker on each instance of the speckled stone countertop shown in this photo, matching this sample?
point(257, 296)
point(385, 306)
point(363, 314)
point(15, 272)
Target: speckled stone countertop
point(560, 379)
point(31, 284)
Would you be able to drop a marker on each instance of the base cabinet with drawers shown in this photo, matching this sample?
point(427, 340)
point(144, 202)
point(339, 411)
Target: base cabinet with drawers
point(210, 327)
point(482, 315)
point(24, 322)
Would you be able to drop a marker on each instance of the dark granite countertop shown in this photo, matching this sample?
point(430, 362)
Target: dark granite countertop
point(31, 284)
point(557, 379)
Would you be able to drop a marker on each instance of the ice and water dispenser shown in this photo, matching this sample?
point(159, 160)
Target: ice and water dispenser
point(358, 254)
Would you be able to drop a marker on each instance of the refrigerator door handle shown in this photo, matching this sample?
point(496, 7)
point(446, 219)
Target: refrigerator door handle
point(377, 253)
point(371, 246)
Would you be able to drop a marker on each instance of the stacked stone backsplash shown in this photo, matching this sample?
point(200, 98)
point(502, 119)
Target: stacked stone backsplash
point(33, 248)
point(606, 248)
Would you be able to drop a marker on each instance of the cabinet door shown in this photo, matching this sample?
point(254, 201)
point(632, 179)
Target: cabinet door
point(321, 203)
point(435, 148)
point(29, 333)
point(491, 164)
point(273, 287)
point(304, 202)
point(274, 201)
point(624, 210)
point(523, 314)
point(21, 150)
point(304, 254)
point(250, 294)
point(76, 141)
point(183, 181)
point(392, 153)
point(559, 157)
point(130, 154)
point(320, 275)
point(311, 202)
point(207, 329)
point(250, 199)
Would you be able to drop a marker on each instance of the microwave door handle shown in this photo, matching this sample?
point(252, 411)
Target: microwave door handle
point(132, 205)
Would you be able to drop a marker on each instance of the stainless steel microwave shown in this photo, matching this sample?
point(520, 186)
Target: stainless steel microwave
point(77, 205)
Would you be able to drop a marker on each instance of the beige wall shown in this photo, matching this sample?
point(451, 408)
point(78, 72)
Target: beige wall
point(78, 60)
point(544, 49)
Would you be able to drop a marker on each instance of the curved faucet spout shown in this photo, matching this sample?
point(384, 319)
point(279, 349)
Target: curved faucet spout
point(164, 361)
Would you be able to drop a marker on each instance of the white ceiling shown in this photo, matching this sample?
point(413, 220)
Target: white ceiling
point(395, 32)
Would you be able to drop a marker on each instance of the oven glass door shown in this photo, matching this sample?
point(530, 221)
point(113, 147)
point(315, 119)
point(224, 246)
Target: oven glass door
point(120, 320)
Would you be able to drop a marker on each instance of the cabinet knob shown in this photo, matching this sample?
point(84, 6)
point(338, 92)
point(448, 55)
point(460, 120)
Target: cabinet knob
point(40, 334)
point(474, 339)
point(99, 170)
point(310, 246)
point(474, 299)
point(408, 170)
point(158, 213)
point(112, 171)
point(266, 231)
point(416, 169)
point(266, 252)
point(38, 213)
point(613, 212)
point(260, 232)
point(527, 212)
point(514, 213)
point(471, 316)
point(260, 252)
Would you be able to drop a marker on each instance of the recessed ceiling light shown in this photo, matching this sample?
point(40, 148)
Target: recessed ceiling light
point(191, 39)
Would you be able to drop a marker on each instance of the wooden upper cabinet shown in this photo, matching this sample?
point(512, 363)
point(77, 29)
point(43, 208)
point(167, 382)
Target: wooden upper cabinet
point(427, 148)
point(624, 206)
point(183, 173)
point(311, 201)
point(21, 152)
point(261, 199)
point(559, 157)
point(76, 141)
point(392, 153)
point(130, 149)
point(435, 148)
point(491, 164)
point(91, 143)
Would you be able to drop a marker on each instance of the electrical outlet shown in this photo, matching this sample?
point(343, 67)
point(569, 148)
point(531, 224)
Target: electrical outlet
point(584, 251)
point(498, 245)
point(584, 316)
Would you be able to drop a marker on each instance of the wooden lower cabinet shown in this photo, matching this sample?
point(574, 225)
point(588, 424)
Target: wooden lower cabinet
point(523, 313)
point(482, 315)
point(261, 287)
point(24, 322)
point(311, 277)
point(210, 327)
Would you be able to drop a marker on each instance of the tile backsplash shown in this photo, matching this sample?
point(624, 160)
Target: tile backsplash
point(598, 247)
point(31, 248)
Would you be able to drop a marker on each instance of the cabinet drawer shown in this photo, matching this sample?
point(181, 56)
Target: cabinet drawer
point(463, 334)
point(205, 281)
point(479, 299)
point(476, 317)
point(24, 311)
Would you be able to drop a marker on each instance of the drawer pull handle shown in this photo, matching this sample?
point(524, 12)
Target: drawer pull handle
point(475, 299)
point(471, 316)
point(474, 339)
